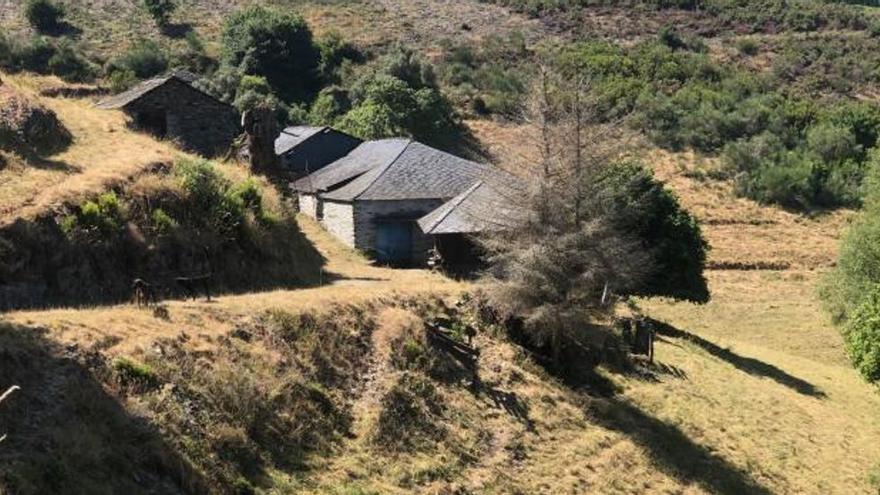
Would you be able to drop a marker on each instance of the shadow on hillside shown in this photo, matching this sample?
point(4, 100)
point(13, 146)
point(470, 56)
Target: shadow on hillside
point(42, 266)
point(35, 161)
point(67, 434)
point(176, 30)
point(748, 365)
point(671, 450)
point(64, 28)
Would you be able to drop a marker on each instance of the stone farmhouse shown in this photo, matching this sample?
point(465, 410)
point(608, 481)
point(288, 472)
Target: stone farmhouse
point(172, 107)
point(396, 199)
point(302, 150)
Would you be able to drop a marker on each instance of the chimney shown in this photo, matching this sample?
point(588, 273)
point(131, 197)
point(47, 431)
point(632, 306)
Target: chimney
point(261, 127)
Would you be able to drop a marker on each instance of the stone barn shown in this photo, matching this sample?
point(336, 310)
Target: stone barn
point(171, 107)
point(372, 198)
point(303, 150)
point(489, 205)
point(362, 159)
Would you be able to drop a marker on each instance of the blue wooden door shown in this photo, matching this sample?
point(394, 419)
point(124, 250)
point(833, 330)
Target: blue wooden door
point(394, 242)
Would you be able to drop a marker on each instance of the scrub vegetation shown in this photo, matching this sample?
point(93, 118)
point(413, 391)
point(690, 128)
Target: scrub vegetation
point(706, 169)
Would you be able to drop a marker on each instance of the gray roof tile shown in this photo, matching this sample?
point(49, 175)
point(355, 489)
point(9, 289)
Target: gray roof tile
point(488, 205)
point(126, 97)
point(367, 156)
point(418, 172)
point(293, 136)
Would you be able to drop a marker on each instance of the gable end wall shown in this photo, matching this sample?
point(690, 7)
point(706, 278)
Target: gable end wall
point(195, 120)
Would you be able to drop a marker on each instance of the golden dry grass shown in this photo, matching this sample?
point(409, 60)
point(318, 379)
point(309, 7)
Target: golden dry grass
point(746, 396)
point(752, 392)
point(125, 329)
point(741, 232)
point(103, 153)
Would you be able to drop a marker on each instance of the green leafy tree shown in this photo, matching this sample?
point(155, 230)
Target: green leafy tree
point(858, 266)
point(862, 336)
point(332, 102)
point(275, 45)
point(641, 205)
point(400, 97)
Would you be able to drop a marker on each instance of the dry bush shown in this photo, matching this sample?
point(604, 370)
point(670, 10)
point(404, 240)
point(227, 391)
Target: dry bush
point(28, 126)
point(275, 391)
point(411, 415)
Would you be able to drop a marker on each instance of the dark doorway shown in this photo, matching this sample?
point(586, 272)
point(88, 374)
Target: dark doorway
point(460, 254)
point(394, 242)
point(156, 123)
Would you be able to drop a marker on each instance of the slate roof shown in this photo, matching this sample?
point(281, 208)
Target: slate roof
point(291, 137)
point(488, 205)
point(367, 156)
point(417, 172)
point(138, 91)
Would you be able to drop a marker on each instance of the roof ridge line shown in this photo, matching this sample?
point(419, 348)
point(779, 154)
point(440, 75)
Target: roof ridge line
point(384, 169)
point(461, 197)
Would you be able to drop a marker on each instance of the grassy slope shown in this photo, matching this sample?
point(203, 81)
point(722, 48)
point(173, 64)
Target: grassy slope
point(103, 152)
point(752, 389)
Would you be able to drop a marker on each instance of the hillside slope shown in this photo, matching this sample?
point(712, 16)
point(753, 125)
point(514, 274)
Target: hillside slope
point(289, 391)
point(681, 425)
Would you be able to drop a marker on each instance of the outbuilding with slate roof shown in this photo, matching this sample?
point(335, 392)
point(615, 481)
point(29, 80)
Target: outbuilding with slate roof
point(172, 107)
point(372, 198)
point(303, 150)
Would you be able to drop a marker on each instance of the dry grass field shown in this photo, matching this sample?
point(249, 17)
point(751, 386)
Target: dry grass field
point(750, 393)
point(103, 153)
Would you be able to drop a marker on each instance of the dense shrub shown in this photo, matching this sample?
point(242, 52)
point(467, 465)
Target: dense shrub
point(98, 220)
point(643, 207)
point(489, 78)
point(748, 47)
point(777, 144)
point(162, 222)
point(133, 375)
point(216, 203)
point(44, 15)
point(276, 45)
point(144, 59)
point(400, 97)
point(862, 336)
point(160, 10)
point(70, 65)
point(753, 15)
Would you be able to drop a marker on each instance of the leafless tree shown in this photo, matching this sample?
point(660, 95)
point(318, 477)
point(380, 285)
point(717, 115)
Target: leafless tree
point(559, 267)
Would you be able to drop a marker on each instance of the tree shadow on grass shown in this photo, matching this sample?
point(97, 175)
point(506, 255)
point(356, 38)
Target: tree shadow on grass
point(67, 434)
point(748, 365)
point(671, 450)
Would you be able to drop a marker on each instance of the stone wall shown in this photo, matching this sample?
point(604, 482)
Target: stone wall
point(367, 215)
point(308, 205)
point(339, 220)
point(197, 121)
point(356, 225)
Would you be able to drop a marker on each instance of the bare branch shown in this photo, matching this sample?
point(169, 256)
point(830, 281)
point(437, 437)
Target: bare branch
point(9, 392)
point(4, 397)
